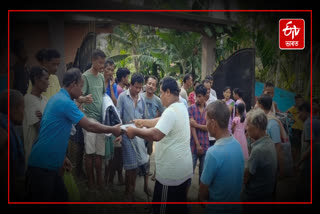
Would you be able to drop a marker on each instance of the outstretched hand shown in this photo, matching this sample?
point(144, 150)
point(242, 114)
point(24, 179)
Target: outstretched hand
point(88, 99)
point(138, 123)
point(130, 132)
point(116, 130)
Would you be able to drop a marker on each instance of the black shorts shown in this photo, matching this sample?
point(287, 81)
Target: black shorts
point(163, 193)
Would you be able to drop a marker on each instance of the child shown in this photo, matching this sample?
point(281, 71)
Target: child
point(238, 127)
point(230, 104)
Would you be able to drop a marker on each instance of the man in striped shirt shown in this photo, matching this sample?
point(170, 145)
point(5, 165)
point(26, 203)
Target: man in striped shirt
point(199, 134)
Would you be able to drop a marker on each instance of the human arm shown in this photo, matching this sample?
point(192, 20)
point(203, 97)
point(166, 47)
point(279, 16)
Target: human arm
point(152, 134)
point(196, 141)
point(85, 99)
point(148, 123)
point(233, 126)
point(203, 192)
point(194, 124)
point(114, 92)
point(98, 127)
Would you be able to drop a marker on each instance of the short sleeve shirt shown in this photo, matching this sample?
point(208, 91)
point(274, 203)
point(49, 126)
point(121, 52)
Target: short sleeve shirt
point(273, 130)
point(223, 170)
point(184, 94)
point(203, 136)
point(262, 165)
point(173, 154)
point(154, 105)
point(50, 148)
point(93, 85)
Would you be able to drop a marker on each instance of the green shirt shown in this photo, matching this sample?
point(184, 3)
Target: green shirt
point(93, 85)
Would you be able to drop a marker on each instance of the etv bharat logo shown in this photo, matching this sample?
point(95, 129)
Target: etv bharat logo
point(291, 34)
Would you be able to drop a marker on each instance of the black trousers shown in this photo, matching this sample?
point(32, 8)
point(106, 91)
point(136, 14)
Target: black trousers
point(45, 185)
point(163, 193)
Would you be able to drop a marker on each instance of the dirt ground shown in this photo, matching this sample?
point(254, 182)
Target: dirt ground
point(286, 191)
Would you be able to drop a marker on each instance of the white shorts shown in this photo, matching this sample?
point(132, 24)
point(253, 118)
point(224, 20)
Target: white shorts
point(94, 143)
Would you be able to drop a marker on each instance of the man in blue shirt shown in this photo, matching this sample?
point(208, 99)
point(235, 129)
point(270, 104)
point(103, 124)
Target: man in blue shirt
point(134, 152)
point(222, 176)
point(48, 155)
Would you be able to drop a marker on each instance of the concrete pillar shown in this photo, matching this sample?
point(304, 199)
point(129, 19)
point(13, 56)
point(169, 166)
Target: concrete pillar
point(208, 59)
point(56, 38)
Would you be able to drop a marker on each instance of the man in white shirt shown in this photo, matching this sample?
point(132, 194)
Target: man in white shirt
point(210, 99)
point(173, 154)
point(212, 91)
point(187, 83)
point(34, 103)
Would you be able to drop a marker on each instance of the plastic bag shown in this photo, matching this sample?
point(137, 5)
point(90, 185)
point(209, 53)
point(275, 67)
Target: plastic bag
point(72, 188)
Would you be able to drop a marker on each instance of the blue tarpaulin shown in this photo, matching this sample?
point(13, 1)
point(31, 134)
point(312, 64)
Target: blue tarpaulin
point(283, 98)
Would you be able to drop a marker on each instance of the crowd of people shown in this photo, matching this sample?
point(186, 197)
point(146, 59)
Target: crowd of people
point(239, 153)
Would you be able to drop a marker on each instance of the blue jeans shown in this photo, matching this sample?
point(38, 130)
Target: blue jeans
point(195, 157)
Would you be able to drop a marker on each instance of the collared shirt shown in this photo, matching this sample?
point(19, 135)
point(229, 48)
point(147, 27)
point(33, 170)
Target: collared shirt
point(200, 118)
point(50, 148)
point(223, 171)
point(262, 165)
point(129, 112)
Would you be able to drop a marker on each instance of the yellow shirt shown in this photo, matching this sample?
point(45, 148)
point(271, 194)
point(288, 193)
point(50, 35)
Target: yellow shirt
point(54, 87)
point(298, 124)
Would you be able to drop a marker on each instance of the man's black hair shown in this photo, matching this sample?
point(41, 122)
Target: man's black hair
point(219, 111)
point(109, 62)
point(171, 84)
point(152, 77)
point(268, 84)
point(266, 101)
point(15, 97)
point(186, 77)
point(209, 78)
point(205, 81)
point(71, 75)
point(200, 89)
point(36, 72)
point(98, 53)
point(137, 77)
point(122, 73)
point(47, 54)
point(238, 91)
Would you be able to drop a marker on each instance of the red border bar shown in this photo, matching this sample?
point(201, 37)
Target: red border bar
point(9, 11)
